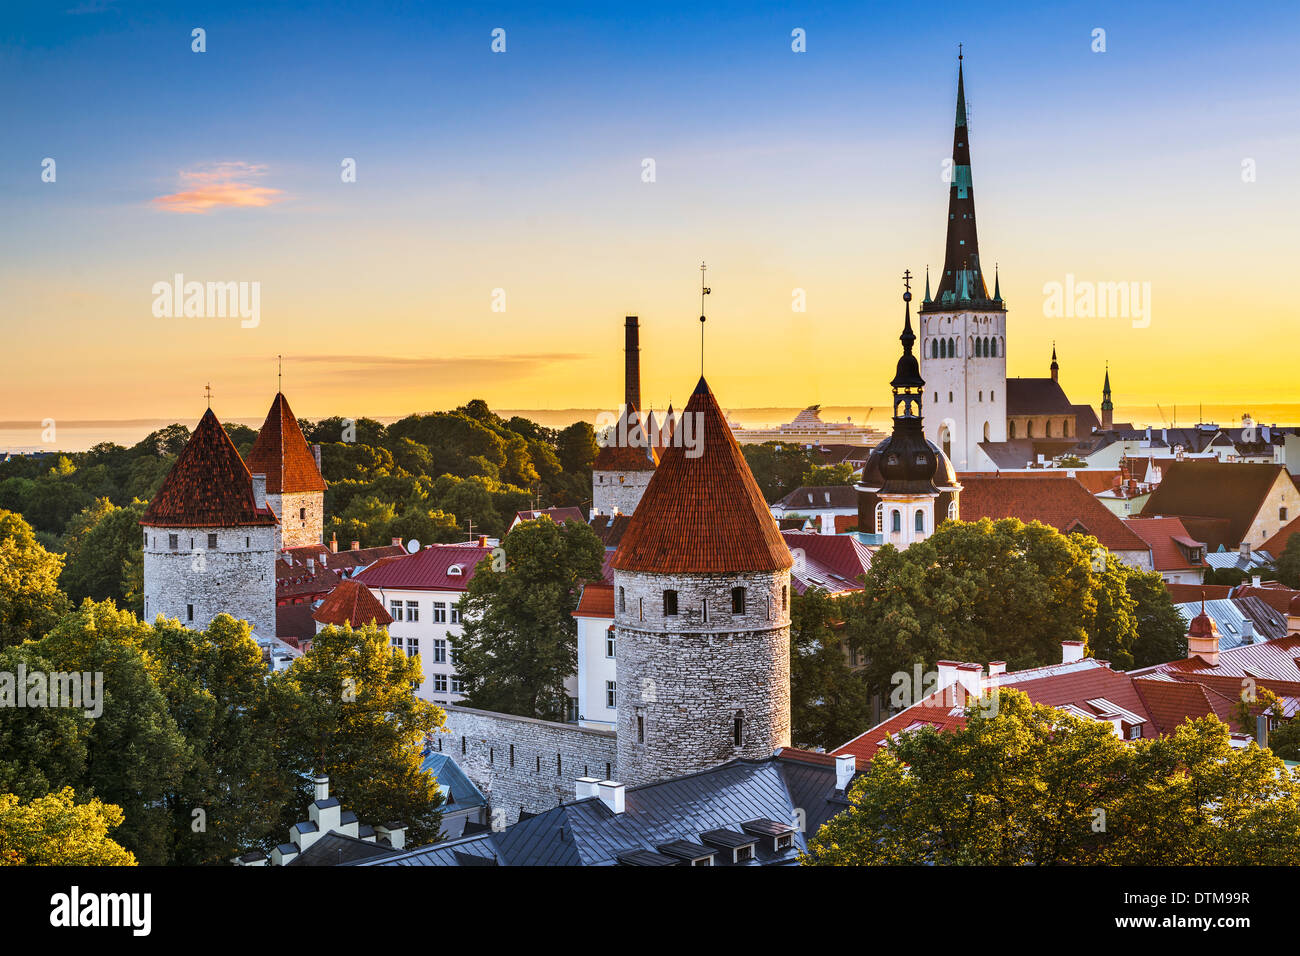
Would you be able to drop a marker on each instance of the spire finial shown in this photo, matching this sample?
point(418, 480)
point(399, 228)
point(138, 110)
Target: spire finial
point(959, 52)
point(279, 374)
point(207, 390)
point(704, 290)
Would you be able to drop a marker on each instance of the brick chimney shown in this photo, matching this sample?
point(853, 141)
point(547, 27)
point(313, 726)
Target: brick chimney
point(632, 363)
point(259, 490)
point(334, 542)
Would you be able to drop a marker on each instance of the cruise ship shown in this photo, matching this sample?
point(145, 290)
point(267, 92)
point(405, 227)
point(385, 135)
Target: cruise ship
point(808, 428)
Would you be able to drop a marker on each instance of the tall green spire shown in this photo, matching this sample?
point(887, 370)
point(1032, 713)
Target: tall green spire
point(1106, 405)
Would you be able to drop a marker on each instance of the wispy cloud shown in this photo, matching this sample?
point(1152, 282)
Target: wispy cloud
point(397, 371)
point(217, 185)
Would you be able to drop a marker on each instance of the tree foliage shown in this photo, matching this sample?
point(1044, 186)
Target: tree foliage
point(1030, 785)
point(30, 600)
point(829, 703)
point(55, 830)
point(520, 639)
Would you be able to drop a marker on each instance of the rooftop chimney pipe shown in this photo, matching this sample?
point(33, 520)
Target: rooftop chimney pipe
point(632, 363)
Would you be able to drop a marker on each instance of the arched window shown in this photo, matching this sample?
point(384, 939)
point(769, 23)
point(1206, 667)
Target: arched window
point(920, 521)
point(1011, 429)
point(986, 431)
point(896, 522)
point(934, 348)
point(738, 728)
point(952, 347)
point(670, 603)
point(622, 601)
point(1029, 429)
point(952, 510)
point(1048, 427)
point(943, 348)
point(977, 348)
point(737, 600)
point(993, 344)
point(1065, 428)
point(880, 517)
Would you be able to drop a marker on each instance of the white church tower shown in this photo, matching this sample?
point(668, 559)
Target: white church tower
point(964, 331)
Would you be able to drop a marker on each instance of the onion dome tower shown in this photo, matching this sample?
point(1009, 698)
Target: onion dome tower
point(295, 489)
point(210, 540)
point(907, 483)
point(702, 611)
point(627, 460)
point(1203, 637)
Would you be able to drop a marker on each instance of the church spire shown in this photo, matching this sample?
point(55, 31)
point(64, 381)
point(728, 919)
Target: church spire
point(1055, 368)
point(963, 278)
point(1107, 407)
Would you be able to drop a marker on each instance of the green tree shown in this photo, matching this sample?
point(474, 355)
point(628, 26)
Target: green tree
point(829, 704)
point(1025, 784)
point(1288, 562)
point(520, 639)
point(576, 447)
point(1162, 632)
point(55, 830)
point(778, 468)
point(817, 475)
point(104, 559)
point(136, 756)
point(41, 748)
point(348, 709)
point(30, 600)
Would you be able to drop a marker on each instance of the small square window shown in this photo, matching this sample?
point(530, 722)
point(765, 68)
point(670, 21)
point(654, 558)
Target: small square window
point(173, 542)
point(212, 541)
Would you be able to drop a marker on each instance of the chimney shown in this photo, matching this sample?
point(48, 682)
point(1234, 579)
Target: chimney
point(632, 363)
point(397, 542)
point(1071, 651)
point(997, 668)
point(1254, 580)
point(356, 545)
point(611, 795)
point(315, 453)
point(395, 832)
point(1244, 549)
point(968, 675)
point(259, 490)
point(1261, 730)
point(482, 541)
point(947, 675)
point(586, 787)
point(846, 766)
point(320, 787)
point(334, 542)
point(311, 566)
point(1247, 631)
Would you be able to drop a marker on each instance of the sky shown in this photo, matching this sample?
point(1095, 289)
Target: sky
point(500, 227)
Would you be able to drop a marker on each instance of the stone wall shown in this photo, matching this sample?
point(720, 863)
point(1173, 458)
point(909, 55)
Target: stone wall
point(684, 679)
point(297, 530)
point(237, 577)
point(522, 763)
point(618, 491)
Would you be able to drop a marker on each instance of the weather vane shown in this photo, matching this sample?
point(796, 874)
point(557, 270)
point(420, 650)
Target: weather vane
point(207, 390)
point(704, 290)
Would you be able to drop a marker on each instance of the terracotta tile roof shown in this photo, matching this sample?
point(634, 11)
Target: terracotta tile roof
point(294, 623)
point(597, 600)
point(1215, 532)
point(281, 453)
point(352, 603)
point(638, 454)
point(703, 514)
point(610, 528)
point(813, 757)
point(1173, 702)
point(299, 579)
point(867, 745)
point(341, 561)
point(1094, 479)
point(430, 569)
point(833, 562)
point(1062, 503)
point(208, 485)
point(1268, 661)
point(1164, 535)
point(845, 523)
point(1277, 543)
point(1213, 489)
point(1186, 593)
point(808, 498)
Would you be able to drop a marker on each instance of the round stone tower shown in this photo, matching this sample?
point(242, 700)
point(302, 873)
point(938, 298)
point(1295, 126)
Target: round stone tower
point(210, 541)
point(702, 613)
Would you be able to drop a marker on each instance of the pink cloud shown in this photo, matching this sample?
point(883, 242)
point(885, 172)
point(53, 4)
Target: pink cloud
point(218, 185)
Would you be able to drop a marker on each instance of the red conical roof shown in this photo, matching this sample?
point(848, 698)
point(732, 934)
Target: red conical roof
point(208, 487)
point(629, 448)
point(704, 514)
point(351, 602)
point(281, 453)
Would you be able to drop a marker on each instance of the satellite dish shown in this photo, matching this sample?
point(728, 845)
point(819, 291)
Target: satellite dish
point(412, 546)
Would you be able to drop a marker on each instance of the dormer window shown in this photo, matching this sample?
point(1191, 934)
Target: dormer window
point(455, 571)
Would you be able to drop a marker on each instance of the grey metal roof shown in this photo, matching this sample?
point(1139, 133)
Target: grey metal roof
point(448, 774)
point(1221, 560)
point(448, 853)
point(1230, 616)
point(336, 849)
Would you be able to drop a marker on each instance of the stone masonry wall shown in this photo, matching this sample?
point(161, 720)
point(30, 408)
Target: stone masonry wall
point(296, 531)
point(519, 762)
point(684, 678)
point(609, 495)
point(237, 577)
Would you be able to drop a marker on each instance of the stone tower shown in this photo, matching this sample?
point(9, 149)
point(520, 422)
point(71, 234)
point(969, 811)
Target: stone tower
point(295, 489)
point(963, 330)
point(702, 613)
point(210, 541)
point(908, 486)
point(625, 463)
